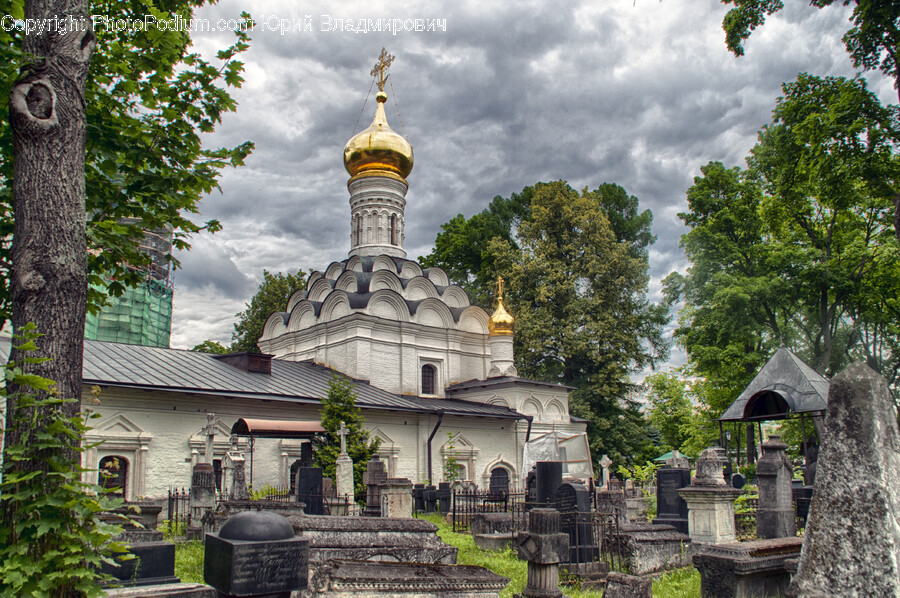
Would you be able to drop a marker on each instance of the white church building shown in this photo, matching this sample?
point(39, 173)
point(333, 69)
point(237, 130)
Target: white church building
point(434, 375)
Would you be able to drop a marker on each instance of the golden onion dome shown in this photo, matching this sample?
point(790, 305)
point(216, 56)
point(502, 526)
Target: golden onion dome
point(378, 148)
point(501, 323)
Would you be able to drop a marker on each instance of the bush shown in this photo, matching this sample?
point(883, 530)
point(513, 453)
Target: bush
point(52, 539)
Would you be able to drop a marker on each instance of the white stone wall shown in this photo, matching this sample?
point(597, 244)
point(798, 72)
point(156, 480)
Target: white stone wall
point(160, 434)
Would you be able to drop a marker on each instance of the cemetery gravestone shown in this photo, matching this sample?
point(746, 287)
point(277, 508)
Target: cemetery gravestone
point(738, 481)
point(853, 531)
point(573, 502)
point(710, 501)
point(671, 509)
point(605, 462)
point(443, 496)
point(775, 516)
point(343, 469)
point(430, 498)
point(419, 496)
point(548, 477)
point(203, 497)
point(396, 498)
point(374, 476)
point(256, 554)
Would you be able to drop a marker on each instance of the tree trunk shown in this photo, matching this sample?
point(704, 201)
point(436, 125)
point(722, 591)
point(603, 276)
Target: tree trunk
point(48, 283)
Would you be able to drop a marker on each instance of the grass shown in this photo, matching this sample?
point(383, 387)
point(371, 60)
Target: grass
point(680, 583)
point(189, 561)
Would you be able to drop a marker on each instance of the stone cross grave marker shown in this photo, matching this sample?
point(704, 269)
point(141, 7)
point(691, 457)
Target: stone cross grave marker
point(605, 462)
point(210, 431)
point(343, 432)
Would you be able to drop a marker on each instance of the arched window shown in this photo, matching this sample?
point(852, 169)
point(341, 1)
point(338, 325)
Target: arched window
point(429, 374)
point(114, 474)
point(358, 229)
point(393, 230)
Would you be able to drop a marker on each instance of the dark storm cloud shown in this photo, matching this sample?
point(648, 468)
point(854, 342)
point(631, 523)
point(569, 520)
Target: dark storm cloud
point(639, 94)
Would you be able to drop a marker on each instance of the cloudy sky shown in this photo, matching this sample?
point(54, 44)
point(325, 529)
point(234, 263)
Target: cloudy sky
point(641, 93)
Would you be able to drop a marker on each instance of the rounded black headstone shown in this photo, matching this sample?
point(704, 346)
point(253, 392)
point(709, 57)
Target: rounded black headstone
point(257, 526)
point(738, 481)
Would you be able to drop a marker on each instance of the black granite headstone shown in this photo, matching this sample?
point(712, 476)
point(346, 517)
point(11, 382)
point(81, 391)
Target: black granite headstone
point(531, 488)
point(430, 498)
point(671, 509)
point(308, 488)
point(419, 497)
point(548, 477)
point(738, 481)
point(256, 553)
point(154, 564)
point(573, 501)
point(443, 496)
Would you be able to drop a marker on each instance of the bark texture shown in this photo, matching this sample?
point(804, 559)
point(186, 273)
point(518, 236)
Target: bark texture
point(48, 283)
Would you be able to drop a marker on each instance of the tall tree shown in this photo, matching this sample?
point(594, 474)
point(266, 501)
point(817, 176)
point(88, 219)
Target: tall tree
point(271, 296)
point(48, 256)
point(339, 405)
point(799, 248)
point(461, 248)
point(579, 296)
point(872, 41)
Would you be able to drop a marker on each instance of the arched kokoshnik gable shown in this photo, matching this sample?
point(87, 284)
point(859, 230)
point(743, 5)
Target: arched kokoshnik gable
point(785, 387)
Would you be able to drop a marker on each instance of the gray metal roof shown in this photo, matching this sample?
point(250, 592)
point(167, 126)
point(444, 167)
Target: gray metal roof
point(786, 376)
point(177, 370)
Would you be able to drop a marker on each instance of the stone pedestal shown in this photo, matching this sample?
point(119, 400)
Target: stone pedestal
point(775, 516)
point(396, 498)
point(647, 548)
point(236, 476)
point(203, 497)
point(710, 501)
point(343, 477)
point(544, 547)
point(746, 569)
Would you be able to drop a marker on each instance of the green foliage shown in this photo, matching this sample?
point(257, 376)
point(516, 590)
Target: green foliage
point(271, 296)
point(210, 346)
point(339, 405)
point(742, 503)
point(461, 248)
point(266, 491)
point(748, 471)
point(871, 42)
point(678, 583)
point(52, 539)
point(640, 473)
point(451, 464)
point(148, 101)
point(189, 561)
point(579, 297)
point(799, 248)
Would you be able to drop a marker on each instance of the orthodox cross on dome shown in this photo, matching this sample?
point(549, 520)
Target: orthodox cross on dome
point(381, 67)
point(499, 288)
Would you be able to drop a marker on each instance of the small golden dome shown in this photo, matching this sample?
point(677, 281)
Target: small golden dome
point(501, 323)
point(378, 147)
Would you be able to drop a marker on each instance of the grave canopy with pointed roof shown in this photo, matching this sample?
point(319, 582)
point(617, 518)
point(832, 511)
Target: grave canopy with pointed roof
point(784, 386)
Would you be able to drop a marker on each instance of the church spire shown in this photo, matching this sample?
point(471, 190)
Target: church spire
point(500, 333)
point(378, 160)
